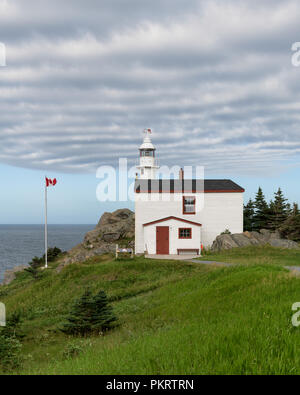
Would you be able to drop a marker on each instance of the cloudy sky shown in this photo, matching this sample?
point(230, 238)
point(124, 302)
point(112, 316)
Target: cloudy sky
point(213, 79)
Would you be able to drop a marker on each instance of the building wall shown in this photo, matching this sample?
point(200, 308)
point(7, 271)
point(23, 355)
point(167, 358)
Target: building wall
point(147, 168)
point(174, 241)
point(215, 211)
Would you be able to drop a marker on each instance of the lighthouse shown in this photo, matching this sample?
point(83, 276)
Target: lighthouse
point(177, 218)
point(148, 164)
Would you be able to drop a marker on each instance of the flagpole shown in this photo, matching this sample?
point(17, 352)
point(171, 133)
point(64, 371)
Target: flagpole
point(46, 228)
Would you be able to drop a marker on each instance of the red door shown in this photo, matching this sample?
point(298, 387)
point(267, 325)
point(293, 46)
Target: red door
point(162, 240)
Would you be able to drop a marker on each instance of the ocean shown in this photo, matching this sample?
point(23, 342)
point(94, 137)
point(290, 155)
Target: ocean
point(20, 243)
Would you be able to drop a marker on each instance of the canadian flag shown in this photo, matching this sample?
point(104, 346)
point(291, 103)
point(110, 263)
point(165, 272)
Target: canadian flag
point(50, 183)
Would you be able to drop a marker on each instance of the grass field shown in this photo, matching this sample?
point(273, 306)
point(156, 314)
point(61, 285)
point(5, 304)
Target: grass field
point(174, 317)
point(256, 255)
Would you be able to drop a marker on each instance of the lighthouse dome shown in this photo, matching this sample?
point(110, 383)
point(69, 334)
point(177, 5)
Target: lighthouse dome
point(147, 143)
point(147, 164)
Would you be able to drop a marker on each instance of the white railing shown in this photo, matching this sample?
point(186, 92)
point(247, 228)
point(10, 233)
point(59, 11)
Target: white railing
point(147, 161)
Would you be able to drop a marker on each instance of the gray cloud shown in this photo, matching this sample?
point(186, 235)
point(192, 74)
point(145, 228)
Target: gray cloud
point(213, 79)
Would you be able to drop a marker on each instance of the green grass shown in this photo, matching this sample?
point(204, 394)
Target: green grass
point(175, 318)
point(256, 255)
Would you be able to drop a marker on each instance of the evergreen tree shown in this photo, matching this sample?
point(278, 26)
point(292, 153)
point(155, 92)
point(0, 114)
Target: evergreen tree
point(37, 263)
point(12, 328)
point(270, 213)
point(279, 211)
point(249, 211)
point(103, 316)
point(291, 227)
point(52, 254)
point(89, 314)
point(79, 319)
point(10, 343)
point(34, 266)
point(260, 219)
point(10, 352)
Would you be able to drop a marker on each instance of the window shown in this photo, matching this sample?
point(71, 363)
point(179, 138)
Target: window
point(147, 153)
point(185, 233)
point(189, 205)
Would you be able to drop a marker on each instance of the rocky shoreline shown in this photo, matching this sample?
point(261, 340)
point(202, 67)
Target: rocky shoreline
point(119, 228)
point(113, 228)
point(10, 274)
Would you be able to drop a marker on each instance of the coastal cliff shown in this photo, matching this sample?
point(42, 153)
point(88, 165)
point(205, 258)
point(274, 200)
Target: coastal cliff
point(113, 228)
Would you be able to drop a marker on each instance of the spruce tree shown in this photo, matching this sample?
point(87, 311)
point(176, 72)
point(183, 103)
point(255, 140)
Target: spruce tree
point(270, 213)
point(80, 317)
point(33, 268)
point(291, 227)
point(103, 316)
point(279, 211)
point(249, 211)
point(260, 220)
point(36, 263)
point(90, 314)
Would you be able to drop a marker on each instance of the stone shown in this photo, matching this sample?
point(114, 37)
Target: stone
point(275, 235)
point(257, 236)
point(113, 228)
point(110, 237)
point(284, 243)
point(253, 240)
point(241, 240)
point(10, 275)
point(265, 236)
point(223, 242)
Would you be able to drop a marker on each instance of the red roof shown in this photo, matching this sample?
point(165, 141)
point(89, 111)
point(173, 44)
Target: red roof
point(172, 217)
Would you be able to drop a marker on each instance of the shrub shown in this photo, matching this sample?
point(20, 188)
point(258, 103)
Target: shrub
point(10, 344)
point(52, 254)
point(226, 232)
point(10, 352)
point(103, 316)
point(37, 263)
point(290, 229)
point(12, 328)
point(90, 314)
point(73, 350)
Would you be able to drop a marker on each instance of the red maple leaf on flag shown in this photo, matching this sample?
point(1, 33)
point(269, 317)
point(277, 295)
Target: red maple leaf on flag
point(51, 183)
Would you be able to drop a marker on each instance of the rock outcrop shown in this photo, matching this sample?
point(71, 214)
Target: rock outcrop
point(228, 241)
point(113, 228)
point(10, 275)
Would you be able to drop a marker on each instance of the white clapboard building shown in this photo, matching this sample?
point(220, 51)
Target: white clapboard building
point(178, 216)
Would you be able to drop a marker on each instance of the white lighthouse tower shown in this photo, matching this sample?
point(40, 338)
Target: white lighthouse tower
point(148, 164)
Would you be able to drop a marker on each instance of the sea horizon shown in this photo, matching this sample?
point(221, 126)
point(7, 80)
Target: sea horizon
point(75, 224)
point(19, 243)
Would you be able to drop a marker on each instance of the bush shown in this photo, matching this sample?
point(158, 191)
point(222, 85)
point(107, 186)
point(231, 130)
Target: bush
point(103, 316)
point(73, 350)
point(226, 232)
point(12, 328)
point(290, 229)
point(10, 344)
point(10, 352)
point(37, 263)
point(90, 314)
point(52, 254)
